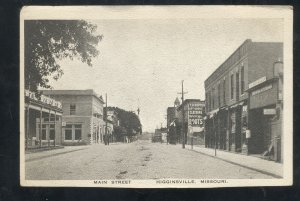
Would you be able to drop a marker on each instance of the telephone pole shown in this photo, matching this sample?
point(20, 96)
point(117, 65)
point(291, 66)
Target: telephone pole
point(183, 125)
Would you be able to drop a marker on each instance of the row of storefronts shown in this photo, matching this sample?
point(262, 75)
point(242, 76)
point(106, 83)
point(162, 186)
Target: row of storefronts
point(244, 102)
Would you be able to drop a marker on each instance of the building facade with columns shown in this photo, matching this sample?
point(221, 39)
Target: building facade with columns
point(43, 117)
point(82, 118)
point(243, 97)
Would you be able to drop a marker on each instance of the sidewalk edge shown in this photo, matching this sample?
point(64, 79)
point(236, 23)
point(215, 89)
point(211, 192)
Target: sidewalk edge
point(244, 166)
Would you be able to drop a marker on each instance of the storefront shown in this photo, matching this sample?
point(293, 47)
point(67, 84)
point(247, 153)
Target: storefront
point(43, 117)
point(265, 119)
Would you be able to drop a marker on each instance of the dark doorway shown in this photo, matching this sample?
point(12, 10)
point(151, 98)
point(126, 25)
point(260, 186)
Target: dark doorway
point(256, 141)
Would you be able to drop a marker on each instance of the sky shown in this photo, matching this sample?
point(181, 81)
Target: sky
point(142, 61)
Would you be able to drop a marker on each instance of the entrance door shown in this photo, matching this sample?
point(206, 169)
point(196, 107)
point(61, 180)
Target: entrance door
point(255, 143)
point(48, 133)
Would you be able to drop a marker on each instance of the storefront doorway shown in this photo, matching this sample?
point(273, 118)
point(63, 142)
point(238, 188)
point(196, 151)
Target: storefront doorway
point(260, 126)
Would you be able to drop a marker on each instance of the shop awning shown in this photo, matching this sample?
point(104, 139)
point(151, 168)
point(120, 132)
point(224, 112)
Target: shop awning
point(238, 104)
point(213, 112)
point(173, 123)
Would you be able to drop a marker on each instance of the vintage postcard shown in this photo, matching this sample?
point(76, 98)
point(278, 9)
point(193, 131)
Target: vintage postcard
point(156, 96)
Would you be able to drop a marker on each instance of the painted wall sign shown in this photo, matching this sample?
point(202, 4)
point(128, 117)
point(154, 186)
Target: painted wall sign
point(269, 111)
point(44, 99)
point(263, 89)
point(195, 114)
point(257, 82)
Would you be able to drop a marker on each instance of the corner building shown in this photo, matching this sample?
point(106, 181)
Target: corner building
point(82, 117)
point(244, 100)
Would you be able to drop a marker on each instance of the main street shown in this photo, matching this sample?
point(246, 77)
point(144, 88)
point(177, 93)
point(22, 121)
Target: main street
point(138, 160)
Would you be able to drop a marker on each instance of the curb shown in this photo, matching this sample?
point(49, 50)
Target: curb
point(42, 157)
point(244, 166)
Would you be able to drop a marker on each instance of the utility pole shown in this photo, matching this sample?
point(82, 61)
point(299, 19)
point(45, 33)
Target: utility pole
point(183, 128)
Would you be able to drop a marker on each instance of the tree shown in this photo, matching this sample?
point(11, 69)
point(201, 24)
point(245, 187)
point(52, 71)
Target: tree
point(128, 120)
point(47, 41)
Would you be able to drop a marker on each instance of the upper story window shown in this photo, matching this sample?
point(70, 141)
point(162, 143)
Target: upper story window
point(213, 98)
point(231, 86)
point(219, 95)
point(72, 109)
point(237, 78)
point(224, 85)
point(242, 80)
point(206, 104)
point(209, 101)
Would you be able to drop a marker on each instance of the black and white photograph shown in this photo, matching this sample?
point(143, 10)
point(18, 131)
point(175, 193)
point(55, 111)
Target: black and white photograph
point(156, 96)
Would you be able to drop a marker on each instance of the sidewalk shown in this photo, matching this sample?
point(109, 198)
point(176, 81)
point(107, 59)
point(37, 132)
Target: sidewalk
point(251, 162)
point(53, 152)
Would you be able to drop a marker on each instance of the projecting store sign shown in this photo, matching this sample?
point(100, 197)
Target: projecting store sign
point(269, 111)
point(257, 82)
point(195, 114)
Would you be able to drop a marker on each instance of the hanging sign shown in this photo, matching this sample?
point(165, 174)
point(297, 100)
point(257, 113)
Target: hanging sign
point(248, 134)
point(269, 111)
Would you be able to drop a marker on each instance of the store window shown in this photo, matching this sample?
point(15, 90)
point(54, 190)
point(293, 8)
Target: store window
point(72, 109)
point(52, 132)
point(77, 131)
point(44, 132)
point(68, 132)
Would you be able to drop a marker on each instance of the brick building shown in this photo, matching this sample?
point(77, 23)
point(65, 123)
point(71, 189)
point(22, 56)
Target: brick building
point(194, 111)
point(82, 116)
point(241, 97)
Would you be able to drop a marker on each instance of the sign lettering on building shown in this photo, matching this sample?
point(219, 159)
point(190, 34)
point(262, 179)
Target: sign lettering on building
point(44, 99)
point(195, 114)
point(257, 82)
point(269, 111)
point(263, 89)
